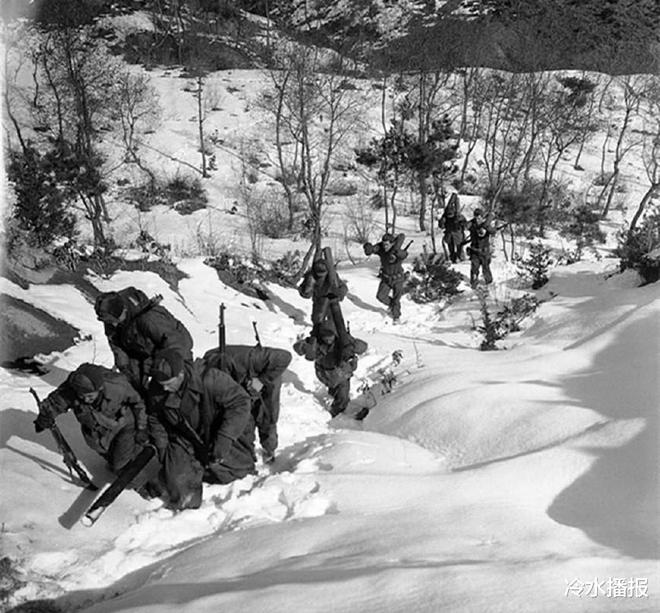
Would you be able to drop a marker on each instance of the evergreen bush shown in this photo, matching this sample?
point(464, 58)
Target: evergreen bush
point(432, 279)
point(535, 266)
point(41, 199)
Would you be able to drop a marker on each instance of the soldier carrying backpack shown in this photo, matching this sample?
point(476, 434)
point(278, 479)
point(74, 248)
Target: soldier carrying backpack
point(137, 328)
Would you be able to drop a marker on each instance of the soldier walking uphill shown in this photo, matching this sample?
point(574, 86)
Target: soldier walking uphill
point(453, 223)
point(391, 274)
point(319, 285)
point(259, 371)
point(137, 328)
point(479, 249)
point(335, 361)
point(111, 414)
point(206, 431)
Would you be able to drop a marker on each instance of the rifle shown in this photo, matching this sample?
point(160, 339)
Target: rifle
point(408, 245)
point(149, 304)
point(221, 330)
point(126, 475)
point(256, 333)
point(68, 457)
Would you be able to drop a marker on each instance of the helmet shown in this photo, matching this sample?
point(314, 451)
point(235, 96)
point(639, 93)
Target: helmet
point(86, 379)
point(167, 364)
point(477, 211)
point(387, 238)
point(109, 306)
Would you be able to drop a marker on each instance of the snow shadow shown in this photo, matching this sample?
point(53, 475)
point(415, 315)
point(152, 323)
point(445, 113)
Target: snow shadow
point(365, 306)
point(286, 575)
point(617, 501)
point(16, 424)
point(299, 316)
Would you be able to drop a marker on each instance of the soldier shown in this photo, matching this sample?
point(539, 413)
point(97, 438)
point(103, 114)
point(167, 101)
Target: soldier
point(137, 328)
point(453, 223)
point(111, 414)
point(317, 285)
point(479, 249)
point(259, 371)
point(335, 362)
point(391, 274)
point(207, 429)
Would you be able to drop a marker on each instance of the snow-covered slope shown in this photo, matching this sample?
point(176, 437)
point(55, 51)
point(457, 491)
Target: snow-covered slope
point(485, 481)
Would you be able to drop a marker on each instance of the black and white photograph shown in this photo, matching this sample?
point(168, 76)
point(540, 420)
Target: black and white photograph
point(330, 306)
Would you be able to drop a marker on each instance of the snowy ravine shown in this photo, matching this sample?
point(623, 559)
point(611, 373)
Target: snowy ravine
point(518, 480)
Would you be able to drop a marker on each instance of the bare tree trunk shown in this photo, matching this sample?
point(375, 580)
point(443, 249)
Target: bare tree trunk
point(200, 123)
point(648, 196)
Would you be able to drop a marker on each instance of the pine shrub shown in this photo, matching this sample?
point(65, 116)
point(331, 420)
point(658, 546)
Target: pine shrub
point(432, 279)
point(535, 266)
point(41, 201)
point(488, 328)
point(507, 319)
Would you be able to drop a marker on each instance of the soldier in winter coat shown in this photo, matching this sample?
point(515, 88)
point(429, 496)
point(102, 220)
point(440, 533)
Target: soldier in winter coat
point(136, 329)
point(335, 361)
point(112, 415)
point(207, 430)
point(479, 249)
point(453, 223)
point(259, 371)
point(391, 274)
point(317, 285)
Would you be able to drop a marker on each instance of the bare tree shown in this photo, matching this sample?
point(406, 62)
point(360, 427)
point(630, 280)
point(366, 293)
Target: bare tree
point(633, 89)
point(71, 103)
point(314, 115)
point(564, 113)
point(650, 154)
point(139, 111)
point(506, 128)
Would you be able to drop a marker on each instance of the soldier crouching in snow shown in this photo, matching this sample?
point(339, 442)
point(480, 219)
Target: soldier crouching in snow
point(206, 427)
point(335, 361)
point(391, 274)
point(137, 328)
point(111, 414)
point(259, 371)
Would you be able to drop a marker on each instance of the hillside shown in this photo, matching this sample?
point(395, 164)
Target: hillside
point(519, 479)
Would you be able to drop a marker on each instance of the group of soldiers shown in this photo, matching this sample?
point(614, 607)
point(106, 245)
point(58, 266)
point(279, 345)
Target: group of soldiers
point(200, 415)
point(479, 234)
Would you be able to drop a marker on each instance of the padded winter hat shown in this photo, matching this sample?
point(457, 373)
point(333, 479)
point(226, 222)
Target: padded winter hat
point(387, 238)
point(319, 267)
point(167, 364)
point(477, 211)
point(109, 303)
point(85, 379)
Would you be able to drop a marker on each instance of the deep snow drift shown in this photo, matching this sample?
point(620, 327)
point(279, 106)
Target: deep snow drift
point(519, 480)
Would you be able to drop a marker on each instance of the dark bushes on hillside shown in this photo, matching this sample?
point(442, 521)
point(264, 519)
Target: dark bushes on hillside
point(432, 279)
point(196, 51)
point(41, 202)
